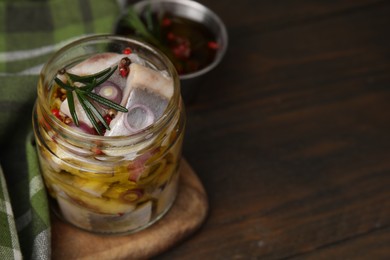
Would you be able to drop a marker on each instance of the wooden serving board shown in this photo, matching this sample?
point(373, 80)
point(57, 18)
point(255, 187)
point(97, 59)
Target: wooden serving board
point(186, 215)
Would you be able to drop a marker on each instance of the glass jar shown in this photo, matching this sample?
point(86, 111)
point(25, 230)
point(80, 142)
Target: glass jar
point(109, 184)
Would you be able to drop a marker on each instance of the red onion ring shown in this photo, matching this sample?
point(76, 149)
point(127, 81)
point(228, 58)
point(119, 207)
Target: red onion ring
point(83, 127)
point(110, 90)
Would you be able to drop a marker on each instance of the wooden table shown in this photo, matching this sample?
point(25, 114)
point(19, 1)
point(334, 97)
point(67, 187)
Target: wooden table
point(290, 135)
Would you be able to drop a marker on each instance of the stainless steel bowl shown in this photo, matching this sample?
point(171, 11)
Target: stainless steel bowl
point(199, 13)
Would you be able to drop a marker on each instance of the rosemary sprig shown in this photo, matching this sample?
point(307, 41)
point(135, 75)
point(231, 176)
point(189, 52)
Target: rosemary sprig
point(69, 96)
point(84, 94)
point(148, 31)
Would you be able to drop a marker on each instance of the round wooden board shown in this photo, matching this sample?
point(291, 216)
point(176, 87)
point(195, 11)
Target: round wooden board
point(186, 215)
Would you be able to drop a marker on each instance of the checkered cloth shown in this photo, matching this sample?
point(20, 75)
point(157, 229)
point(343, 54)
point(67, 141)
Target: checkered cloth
point(29, 33)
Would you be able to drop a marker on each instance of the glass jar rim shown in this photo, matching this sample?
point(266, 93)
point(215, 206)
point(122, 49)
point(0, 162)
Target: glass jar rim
point(141, 135)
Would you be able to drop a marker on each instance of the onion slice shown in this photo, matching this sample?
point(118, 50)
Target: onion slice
point(110, 91)
point(132, 195)
point(138, 118)
point(83, 127)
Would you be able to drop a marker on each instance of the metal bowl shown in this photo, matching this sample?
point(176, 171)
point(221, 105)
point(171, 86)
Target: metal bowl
point(199, 13)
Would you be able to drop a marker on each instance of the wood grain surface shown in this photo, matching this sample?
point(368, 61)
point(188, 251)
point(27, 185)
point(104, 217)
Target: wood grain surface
point(184, 218)
point(290, 134)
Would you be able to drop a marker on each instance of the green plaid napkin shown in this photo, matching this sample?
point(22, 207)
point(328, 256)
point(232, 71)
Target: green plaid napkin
point(29, 33)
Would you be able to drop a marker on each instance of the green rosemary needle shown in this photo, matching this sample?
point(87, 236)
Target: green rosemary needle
point(148, 31)
point(84, 95)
